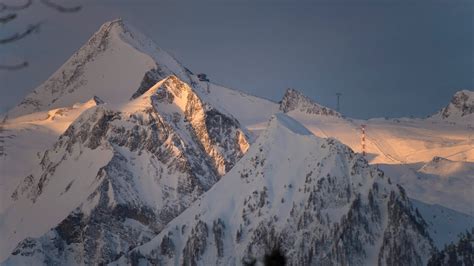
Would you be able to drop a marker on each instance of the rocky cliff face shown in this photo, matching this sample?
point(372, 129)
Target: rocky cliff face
point(462, 103)
point(294, 100)
point(162, 150)
point(316, 203)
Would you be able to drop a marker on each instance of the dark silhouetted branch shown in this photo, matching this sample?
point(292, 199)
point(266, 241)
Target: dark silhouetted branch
point(14, 67)
point(17, 36)
point(4, 6)
point(61, 8)
point(7, 18)
point(9, 13)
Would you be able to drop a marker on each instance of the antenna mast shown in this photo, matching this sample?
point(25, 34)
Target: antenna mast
point(338, 107)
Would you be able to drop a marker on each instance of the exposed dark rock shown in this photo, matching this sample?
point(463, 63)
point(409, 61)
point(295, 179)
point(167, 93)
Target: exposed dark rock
point(218, 230)
point(150, 78)
point(196, 244)
point(295, 100)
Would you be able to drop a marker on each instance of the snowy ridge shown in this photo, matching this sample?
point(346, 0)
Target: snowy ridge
point(441, 181)
point(312, 198)
point(57, 119)
point(25, 137)
point(445, 168)
point(115, 64)
point(446, 182)
point(145, 165)
point(250, 110)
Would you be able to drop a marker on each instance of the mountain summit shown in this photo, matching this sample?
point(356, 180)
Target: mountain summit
point(294, 100)
point(116, 64)
point(459, 109)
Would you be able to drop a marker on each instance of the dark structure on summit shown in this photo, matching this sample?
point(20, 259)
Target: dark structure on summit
point(202, 77)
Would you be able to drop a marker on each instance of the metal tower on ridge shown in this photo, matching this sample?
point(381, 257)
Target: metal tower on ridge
point(338, 107)
point(362, 140)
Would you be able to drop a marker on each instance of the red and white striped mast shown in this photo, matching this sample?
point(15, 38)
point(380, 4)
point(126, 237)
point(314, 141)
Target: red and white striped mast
point(362, 140)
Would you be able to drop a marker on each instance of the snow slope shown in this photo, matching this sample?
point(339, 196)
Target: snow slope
point(312, 198)
point(388, 141)
point(26, 137)
point(444, 225)
point(396, 141)
point(440, 181)
point(251, 111)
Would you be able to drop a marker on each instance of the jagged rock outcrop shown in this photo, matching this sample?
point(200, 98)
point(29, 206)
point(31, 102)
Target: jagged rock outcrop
point(162, 151)
point(313, 200)
point(294, 100)
point(459, 109)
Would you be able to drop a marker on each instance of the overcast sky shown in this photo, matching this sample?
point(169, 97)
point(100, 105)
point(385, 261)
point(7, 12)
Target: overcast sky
point(387, 58)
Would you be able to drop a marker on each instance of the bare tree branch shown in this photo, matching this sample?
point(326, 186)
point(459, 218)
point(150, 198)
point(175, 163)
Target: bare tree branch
point(61, 8)
point(7, 18)
point(4, 6)
point(14, 67)
point(18, 36)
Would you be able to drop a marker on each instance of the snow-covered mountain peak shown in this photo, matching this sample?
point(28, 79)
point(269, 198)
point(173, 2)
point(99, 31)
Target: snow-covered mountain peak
point(462, 101)
point(108, 30)
point(293, 100)
point(116, 64)
point(459, 109)
point(147, 160)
